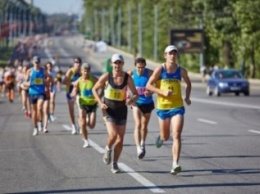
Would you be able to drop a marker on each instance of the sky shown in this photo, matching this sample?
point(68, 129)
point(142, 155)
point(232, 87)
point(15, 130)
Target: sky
point(60, 6)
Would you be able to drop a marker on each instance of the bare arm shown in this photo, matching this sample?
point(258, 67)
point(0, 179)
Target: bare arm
point(75, 89)
point(130, 73)
point(27, 78)
point(66, 80)
point(100, 84)
point(151, 84)
point(95, 80)
point(133, 90)
point(186, 79)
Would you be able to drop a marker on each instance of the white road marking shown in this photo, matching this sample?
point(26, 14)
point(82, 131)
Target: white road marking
point(254, 131)
point(96, 147)
point(207, 121)
point(152, 187)
point(225, 103)
point(145, 182)
point(67, 127)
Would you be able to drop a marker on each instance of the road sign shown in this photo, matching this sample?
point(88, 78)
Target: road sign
point(187, 40)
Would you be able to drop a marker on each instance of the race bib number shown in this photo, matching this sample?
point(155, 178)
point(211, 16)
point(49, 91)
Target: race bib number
point(118, 95)
point(169, 84)
point(140, 90)
point(38, 81)
point(87, 93)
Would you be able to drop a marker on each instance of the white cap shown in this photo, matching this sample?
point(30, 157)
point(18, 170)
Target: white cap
point(170, 48)
point(117, 57)
point(85, 66)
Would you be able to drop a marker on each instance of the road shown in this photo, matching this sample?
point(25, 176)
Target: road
point(220, 151)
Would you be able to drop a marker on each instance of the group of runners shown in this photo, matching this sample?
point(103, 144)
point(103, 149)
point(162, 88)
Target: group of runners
point(117, 89)
point(113, 92)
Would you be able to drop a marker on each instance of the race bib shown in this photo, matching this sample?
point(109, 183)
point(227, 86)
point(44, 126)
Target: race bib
point(169, 84)
point(140, 90)
point(38, 81)
point(118, 95)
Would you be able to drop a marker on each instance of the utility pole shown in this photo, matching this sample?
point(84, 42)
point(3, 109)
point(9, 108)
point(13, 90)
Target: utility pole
point(119, 28)
point(129, 31)
point(112, 27)
point(202, 51)
point(155, 50)
point(140, 49)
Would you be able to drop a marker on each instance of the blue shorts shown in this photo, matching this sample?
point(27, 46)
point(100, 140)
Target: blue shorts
point(69, 97)
point(165, 114)
point(33, 98)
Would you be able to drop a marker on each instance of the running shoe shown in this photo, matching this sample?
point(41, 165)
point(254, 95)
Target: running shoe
point(45, 131)
point(107, 156)
point(35, 131)
point(86, 143)
point(176, 169)
point(52, 118)
point(142, 153)
point(39, 126)
point(74, 130)
point(159, 142)
point(115, 168)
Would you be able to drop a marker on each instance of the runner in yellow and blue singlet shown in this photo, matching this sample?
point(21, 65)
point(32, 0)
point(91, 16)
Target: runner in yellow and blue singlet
point(166, 82)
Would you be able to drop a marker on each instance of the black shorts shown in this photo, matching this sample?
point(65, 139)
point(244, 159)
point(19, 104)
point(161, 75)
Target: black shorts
point(88, 108)
point(145, 108)
point(117, 115)
point(9, 86)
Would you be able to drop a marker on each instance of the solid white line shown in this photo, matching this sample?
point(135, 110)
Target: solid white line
point(225, 103)
point(207, 121)
point(67, 127)
point(254, 131)
point(152, 187)
point(96, 147)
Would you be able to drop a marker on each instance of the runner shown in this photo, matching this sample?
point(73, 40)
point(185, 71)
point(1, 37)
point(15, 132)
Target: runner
point(2, 83)
point(166, 82)
point(115, 107)
point(9, 79)
point(49, 82)
point(71, 76)
point(88, 105)
point(24, 94)
point(53, 90)
point(143, 107)
point(59, 78)
point(36, 77)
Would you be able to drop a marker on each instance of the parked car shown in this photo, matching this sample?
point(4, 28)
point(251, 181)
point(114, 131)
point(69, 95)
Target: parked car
point(227, 81)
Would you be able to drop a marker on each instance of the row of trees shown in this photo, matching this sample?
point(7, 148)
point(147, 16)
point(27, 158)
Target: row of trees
point(231, 29)
point(18, 18)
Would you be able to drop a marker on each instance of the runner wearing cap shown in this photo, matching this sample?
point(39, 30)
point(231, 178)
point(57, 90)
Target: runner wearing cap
point(166, 82)
point(35, 77)
point(70, 78)
point(87, 103)
point(143, 107)
point(115, 107)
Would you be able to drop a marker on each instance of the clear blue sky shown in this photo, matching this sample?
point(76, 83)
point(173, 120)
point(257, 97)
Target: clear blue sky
point(60, 6)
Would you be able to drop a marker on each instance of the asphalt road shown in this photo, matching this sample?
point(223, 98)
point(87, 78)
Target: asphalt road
point(220, 152)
